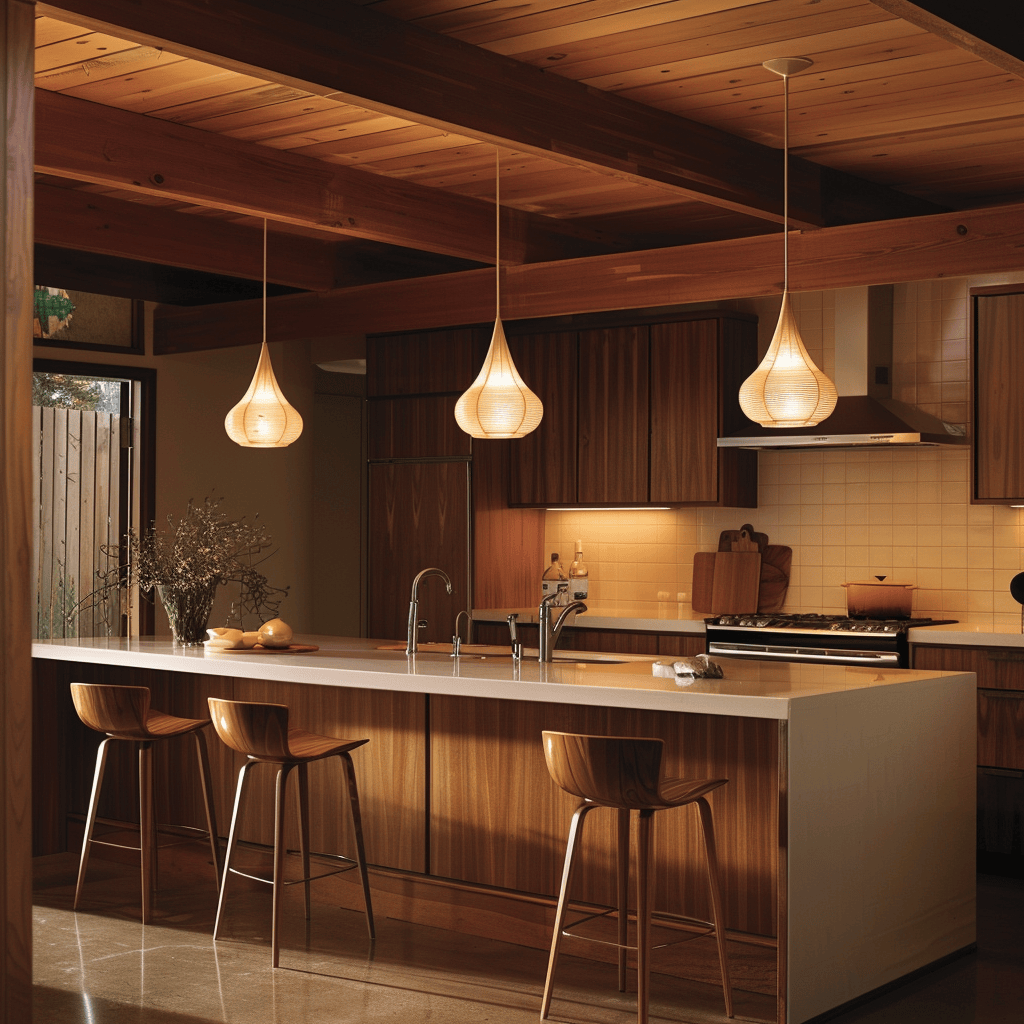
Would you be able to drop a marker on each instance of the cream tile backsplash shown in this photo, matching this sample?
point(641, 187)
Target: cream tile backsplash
point(847, 515)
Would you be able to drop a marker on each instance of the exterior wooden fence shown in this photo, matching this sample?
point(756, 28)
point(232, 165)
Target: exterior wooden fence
point(77, 479)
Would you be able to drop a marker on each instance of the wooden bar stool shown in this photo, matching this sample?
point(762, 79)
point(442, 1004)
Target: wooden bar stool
point(123, 713)
point(624, 773)
point(261, 732)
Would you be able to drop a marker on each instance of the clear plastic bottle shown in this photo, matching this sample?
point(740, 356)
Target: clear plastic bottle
point(555, 581)
point(579, 576)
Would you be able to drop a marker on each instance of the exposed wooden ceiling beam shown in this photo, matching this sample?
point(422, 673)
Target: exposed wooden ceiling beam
point(135, 279)
point(914, 249)
point(984, 29)
point(72, 219)
point(101, 144)
point(384, 64)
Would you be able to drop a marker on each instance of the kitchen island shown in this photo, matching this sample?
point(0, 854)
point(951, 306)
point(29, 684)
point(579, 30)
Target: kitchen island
point(846, 832)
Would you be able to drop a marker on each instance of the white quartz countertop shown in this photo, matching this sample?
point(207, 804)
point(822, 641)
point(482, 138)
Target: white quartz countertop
point(749, 689)
point(958, 634)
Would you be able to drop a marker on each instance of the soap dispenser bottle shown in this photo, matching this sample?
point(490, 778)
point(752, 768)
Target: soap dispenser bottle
point(555, 581)
point(579, 576)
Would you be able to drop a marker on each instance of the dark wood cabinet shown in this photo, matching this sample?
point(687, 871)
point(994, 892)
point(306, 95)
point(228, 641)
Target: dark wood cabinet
point(614, 417)
point(650, 400)
point(414, 427)
point(1000, 673)
point(997, 411)
point(543, 464)
point(697, 367)
point(419, 517)
point(426, 362)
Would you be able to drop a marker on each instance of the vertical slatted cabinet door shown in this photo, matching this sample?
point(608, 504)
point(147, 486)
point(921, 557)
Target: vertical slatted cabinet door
point(684, 412)
point(418, 517)
point(998, 416)
point(614, 423)
point(542, 465)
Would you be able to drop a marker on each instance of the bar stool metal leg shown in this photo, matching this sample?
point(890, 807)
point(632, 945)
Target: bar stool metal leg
point(622, 881)
point(232, 841)
point(90, 819)
point(644, 892)
point(203, 755)
point(357, 826)
point(280, 852)
point(147, 828)
point(575, 834)
point(303, 807)
point(708, 829)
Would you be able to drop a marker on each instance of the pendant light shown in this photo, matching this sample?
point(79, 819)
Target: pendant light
point(787, 389)
point(263, 418)
point(498, 403)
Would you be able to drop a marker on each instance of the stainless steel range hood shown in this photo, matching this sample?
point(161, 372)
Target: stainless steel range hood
point(865, 415)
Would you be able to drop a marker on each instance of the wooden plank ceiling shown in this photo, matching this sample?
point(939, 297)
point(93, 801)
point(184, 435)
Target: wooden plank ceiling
point(367, 135)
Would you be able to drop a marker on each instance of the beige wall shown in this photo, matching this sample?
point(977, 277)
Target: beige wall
point(195, 458)
point(847, 515)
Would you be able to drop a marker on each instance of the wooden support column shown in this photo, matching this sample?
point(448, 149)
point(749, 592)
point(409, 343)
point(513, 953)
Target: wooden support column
point(16, 50)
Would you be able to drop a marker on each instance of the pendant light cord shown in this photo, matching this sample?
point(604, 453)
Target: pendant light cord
point(497, 233)
point(264, 280)
point(785, 183)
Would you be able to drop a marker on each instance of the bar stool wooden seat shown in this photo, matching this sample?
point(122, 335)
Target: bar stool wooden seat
point(262, 733)
point(123, 713)
point(625, 773)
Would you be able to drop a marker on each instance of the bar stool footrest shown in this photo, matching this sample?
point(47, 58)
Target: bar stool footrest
point(294, 881)
point(656, 919)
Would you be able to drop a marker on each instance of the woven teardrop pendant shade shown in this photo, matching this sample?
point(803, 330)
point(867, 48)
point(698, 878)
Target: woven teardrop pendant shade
point(787, 389)
point(263, 418)
point(498, 403)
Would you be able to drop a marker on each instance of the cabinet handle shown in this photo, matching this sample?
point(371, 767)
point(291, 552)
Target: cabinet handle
point(1006, 773)
point(1005, 655)
point(1002, 694)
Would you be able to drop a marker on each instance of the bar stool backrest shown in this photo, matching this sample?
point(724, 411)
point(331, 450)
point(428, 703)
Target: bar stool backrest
point(118, 710)
point(257, 730)
point(618, 771)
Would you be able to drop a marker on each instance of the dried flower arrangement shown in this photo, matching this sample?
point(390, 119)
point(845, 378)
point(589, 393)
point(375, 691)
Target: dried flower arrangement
point(204, 549)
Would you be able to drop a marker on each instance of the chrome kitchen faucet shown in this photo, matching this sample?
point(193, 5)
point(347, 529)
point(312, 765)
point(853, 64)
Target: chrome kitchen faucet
point(415, 623)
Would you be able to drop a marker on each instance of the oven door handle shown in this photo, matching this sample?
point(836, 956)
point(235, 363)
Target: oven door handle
point(886, 658)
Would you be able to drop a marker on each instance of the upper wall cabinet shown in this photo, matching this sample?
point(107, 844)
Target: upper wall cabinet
point(427, 362)
point(998, 410)
point(632, 414)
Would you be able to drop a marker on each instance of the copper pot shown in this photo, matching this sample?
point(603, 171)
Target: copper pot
point(879, 598)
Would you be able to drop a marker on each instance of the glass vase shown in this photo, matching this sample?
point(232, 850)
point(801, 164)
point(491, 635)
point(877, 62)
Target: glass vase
point(188, 612)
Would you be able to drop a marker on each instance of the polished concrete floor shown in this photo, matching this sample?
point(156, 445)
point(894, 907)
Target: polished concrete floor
point(101, 966)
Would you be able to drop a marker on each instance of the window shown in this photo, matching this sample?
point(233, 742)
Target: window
point(88, 478)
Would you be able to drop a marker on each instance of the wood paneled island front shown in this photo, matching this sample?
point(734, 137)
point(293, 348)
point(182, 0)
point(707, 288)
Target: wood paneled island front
point(846, 832)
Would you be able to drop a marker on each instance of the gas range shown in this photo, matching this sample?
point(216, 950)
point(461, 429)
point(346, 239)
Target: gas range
point(818, 639)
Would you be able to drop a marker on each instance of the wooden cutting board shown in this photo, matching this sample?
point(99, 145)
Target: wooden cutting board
point(736, 581)
point(776, 562)
point(703, 581)
point(728, 539)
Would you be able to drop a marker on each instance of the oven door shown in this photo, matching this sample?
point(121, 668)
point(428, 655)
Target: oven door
point(815, 647)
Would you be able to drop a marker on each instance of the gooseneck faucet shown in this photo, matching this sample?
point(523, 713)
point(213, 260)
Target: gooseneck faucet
point(414, 606)
point(549, 633)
